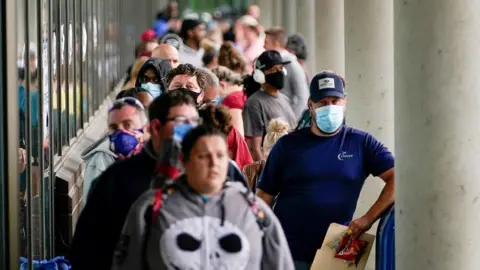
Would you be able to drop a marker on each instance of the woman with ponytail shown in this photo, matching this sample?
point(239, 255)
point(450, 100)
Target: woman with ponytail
point(275, 130)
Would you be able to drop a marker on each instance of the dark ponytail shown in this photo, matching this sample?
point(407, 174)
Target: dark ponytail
point(250, 85)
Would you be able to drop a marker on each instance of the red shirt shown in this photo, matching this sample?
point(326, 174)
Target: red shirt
point(235, 100)
point(238, 149)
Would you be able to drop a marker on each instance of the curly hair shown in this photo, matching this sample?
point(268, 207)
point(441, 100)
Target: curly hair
point(190, 70)
point(231, 58)
point(218, 117)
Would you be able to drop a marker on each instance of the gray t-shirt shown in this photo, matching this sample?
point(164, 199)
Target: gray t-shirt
point(296, 86)
point(262, 107)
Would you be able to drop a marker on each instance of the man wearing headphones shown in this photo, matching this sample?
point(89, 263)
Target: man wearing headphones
point(267, 104)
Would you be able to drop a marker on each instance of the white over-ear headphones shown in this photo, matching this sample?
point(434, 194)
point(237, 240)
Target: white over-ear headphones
point(258, 74)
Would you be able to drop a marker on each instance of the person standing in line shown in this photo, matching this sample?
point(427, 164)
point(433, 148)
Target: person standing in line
point(188, 77)
point(232, 58)
point(100, 223)
point(295, 85)
point(267, 103)
point(126, 121)
point(203, 220)
point(231, 95)
point(219, 117)
point(212, 88)
point(297, 46)
point(151, 76)
point(193, 32)
point(316, 173)
point(168, 52)
point(253, 43)
point(276, 129)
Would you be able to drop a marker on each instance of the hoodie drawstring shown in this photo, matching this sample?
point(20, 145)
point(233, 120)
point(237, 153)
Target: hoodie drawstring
point(222, 209)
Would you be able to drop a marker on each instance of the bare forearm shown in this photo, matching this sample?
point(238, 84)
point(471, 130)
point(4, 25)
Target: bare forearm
point(256, 153)
point(255, 147)
point(384, 201)
point(267, 198)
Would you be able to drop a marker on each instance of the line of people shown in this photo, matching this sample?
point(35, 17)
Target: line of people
point(177, 191)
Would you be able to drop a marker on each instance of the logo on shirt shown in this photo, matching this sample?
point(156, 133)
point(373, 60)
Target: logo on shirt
point(326, 83)
point(344, 155)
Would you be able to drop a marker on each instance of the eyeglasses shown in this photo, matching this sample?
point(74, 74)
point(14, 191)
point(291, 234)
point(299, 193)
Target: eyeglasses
point(119, 103)
point(179, 120)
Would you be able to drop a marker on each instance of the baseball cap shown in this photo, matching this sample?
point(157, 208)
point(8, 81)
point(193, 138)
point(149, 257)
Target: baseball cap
point(326, 84)
point(248, 20)
point(148, 35)
point(269, 59)
point(172, 39)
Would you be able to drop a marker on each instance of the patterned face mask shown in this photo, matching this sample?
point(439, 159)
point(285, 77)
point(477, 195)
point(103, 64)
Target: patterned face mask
point(126, 142)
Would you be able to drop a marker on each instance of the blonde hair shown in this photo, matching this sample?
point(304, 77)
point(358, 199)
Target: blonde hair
point(275, 130)
point(231, 58)
point(227, 75)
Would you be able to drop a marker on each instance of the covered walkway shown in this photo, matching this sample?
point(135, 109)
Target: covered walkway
point(411, 72)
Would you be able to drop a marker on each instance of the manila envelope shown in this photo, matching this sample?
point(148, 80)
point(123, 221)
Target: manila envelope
point(324, 259)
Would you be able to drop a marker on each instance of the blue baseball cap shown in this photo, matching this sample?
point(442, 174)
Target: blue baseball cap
point(326, 84)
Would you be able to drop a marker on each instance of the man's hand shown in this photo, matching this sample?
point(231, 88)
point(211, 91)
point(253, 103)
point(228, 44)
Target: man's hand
point(22, 159)
point(359, 226)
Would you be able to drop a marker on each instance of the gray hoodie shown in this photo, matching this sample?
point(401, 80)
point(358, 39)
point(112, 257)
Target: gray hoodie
point(295, 87)
point(98, 157)
point(222, 232)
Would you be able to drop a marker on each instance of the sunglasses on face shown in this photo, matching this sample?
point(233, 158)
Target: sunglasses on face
point(119, 103)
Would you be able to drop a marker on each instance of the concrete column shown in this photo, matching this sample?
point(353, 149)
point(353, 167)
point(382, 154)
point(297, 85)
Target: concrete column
point(305, 16)
point(277, 12)
point(266, 13)
point(290, 16)
point(437, 105)
point(369, 75)
point(330, 38)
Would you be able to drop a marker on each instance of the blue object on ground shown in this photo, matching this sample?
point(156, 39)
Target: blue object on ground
point(58, 263)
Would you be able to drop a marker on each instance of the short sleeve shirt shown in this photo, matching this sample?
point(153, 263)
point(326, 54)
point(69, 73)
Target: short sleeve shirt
point(235, 100)
point(261, 108)
point(318, 182)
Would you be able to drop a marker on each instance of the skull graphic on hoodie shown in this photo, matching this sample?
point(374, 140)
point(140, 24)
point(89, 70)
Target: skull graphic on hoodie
point(204, 243)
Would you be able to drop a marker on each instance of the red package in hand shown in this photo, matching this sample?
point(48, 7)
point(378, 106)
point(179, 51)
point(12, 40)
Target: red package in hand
point(348, 249)
point(352, 252)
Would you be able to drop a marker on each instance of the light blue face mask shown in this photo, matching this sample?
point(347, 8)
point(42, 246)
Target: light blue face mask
point(329, 118)
point(153, 89)
point(179, 131)
point(218, 100)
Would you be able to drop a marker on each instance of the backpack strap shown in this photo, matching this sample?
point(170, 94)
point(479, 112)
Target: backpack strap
point(152, 213)
point(255, 208)
point(159, 199)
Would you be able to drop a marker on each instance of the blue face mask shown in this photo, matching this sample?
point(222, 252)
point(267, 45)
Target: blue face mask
point(125, 142)
point(218, 100)
point(179, 131)
point(153, 89)
point(329, 118)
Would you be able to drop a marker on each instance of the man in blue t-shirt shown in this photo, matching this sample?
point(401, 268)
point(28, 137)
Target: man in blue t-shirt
point(318, 173)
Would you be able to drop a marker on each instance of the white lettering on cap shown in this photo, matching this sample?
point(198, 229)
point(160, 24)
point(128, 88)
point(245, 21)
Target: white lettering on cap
point(326, 83)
